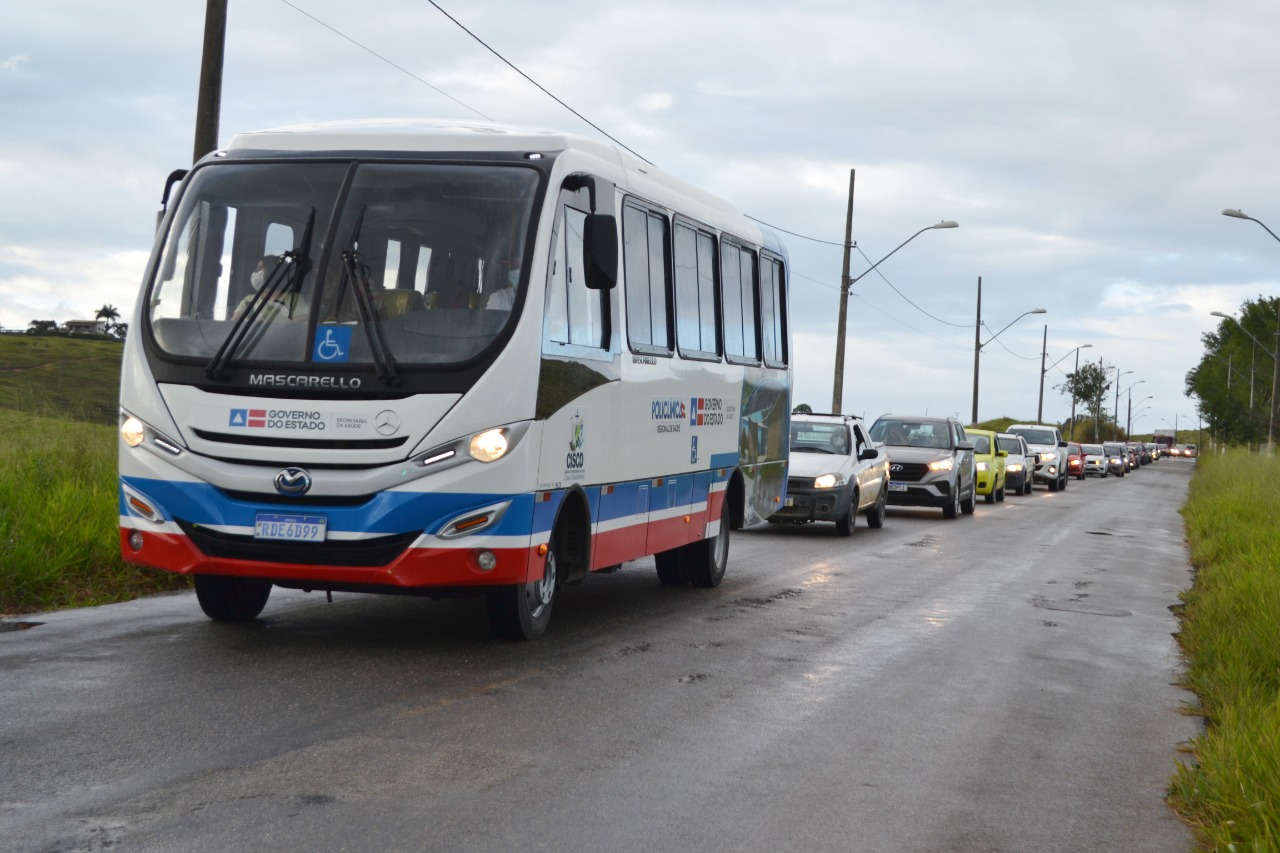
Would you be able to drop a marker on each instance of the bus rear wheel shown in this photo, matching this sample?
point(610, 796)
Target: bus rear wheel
point(522, 611)
point(231, 599)
point(705, 561)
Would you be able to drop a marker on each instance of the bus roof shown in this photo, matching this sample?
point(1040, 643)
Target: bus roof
point(456, 135)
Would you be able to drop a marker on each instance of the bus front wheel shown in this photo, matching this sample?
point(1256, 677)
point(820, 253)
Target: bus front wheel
point(232, 599)
point(521, 611)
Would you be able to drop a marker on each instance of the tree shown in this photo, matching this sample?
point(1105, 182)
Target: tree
point(1089, 385)
point(108, 313)
point(804, 407)
point(42, 327)
point(1233, 379)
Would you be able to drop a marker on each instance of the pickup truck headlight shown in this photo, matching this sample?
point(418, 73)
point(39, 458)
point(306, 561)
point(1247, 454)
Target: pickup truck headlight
point(942, 464)
point(1048, 456)
point(828, 481)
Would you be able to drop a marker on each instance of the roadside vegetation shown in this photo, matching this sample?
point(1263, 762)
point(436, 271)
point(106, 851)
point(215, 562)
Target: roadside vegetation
point(59, 510)
point(1230, 635)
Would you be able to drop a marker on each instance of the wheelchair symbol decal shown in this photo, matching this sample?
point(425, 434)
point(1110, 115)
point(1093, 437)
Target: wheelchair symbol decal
point(334, 344)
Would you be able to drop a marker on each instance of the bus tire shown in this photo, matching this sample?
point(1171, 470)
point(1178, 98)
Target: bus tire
point(521, 611)
point(231, 599)
point(670, 567)
point(705, 561)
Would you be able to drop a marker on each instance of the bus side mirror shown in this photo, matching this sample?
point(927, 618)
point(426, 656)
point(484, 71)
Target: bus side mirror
point(600, 251)
point(174, 176)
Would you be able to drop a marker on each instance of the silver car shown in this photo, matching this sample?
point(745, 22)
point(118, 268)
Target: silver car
point(1020, 465)
point(931, 463)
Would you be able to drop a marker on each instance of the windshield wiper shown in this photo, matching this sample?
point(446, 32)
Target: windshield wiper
point(288, 268)
point(379, 350)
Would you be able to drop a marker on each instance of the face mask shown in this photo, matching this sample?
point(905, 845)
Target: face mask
point(513, 278)
point(258, 277)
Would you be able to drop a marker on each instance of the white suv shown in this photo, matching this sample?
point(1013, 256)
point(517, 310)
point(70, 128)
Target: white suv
point(1046, 442)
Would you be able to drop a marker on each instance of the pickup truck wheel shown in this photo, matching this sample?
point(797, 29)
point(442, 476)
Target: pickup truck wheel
point(875, 515)
point(844, 526)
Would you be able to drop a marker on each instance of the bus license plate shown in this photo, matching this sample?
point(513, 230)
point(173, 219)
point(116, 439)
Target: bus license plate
point(897, 487)
point(289, 528)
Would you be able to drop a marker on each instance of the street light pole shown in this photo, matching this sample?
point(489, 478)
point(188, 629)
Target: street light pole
point(1275, 356)
point(846, 283)
point(978, 343)
point(1128, 424)
point(1115, 427)
point(1044, 370)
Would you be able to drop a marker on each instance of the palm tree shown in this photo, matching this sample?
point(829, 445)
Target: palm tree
point(108, 313)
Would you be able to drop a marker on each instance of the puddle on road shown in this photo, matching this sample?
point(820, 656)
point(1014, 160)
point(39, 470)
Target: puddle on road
point(18, 626)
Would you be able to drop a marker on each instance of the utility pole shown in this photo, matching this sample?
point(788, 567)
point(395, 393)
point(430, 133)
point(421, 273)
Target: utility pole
point(1074, 379)
point(977, 351)
point(837, 392)
point(1044, 349)
point(210, 99)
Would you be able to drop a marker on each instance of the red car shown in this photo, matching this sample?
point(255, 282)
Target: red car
point(1075, 460)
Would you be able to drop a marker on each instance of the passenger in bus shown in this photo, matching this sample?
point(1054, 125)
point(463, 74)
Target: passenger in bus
point(504, 297)
point(285, 304)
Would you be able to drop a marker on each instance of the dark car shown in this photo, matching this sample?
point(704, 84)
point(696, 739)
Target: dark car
point(930, 463)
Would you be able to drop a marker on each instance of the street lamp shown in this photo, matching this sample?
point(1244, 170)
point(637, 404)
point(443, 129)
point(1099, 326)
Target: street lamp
point(1275, 356)
point(1128, 424)
point(1044, 370)
point(846, 283)
point(1115, 426)
point(978, 343)
point(1128, 391)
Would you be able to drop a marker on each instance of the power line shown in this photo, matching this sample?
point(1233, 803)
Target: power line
point(384, 59)
point(904, 296)
point(792, 233)
point(534, 82)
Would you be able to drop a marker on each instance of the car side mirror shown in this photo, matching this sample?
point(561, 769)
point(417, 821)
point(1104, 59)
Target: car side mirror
point(1062, 444)
point(964, 445)
point(867, 454)
point(1002, 453)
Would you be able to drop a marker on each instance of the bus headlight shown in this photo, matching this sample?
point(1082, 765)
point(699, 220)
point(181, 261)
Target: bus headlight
point(489, 446)
point(132, 431)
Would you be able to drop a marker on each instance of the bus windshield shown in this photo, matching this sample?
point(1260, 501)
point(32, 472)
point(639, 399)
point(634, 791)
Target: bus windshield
point(324, 263)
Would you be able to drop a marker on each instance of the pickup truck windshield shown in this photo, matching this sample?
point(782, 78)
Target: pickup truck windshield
point(390, 264)
point(1037, 436)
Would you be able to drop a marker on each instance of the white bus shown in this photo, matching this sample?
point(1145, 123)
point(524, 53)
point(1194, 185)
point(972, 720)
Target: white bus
point(437, 358)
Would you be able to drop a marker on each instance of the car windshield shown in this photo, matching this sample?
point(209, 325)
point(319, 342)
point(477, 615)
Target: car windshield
point(1009, 444)
point(324, 263)
point(981, 444)
point(1113, 449)
point(1036, 436)
point(815, 437)
point(905, 433)
point(1093, 449)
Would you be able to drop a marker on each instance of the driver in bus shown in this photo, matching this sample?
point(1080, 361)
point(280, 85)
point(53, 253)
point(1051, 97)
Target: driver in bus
point(284, 304)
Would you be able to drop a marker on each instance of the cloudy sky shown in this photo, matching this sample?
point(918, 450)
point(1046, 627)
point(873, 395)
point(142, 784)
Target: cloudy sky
point(1086, 149)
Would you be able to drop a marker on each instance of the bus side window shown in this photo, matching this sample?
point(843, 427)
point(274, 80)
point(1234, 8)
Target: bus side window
point(695, 274)
point(645, 255)
point(575, 315)
point(773, 311)
point(738, 285)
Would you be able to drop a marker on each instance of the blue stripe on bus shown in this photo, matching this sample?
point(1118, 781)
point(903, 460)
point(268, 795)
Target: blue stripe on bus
point(724, 460)
point(384, 513)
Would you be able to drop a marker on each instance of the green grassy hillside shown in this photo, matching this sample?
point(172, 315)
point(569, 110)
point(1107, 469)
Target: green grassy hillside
point(62, 378)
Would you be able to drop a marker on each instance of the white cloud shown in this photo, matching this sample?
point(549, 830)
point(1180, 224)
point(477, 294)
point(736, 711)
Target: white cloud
point(15, 62)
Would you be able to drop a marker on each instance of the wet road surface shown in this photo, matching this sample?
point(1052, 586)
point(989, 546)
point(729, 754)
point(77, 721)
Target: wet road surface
point(1000, 682)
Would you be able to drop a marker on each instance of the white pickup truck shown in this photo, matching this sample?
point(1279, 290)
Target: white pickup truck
point(1047, 443)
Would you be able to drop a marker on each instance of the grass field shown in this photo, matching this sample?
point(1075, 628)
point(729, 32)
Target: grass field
point(61, 378)
point(1230, 635)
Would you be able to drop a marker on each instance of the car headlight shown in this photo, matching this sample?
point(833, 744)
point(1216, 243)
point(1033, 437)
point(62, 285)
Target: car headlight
point(942, 464)
point(983, 466)
point(1048, 456)
point(489, 446)
point(828, 481)
point(1014, 468)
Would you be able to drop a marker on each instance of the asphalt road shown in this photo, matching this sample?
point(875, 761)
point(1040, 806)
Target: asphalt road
point(1000, 682)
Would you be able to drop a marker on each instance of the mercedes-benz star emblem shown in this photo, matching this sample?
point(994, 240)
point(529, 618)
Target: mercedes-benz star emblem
point(293, 482)
point(387, 422)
